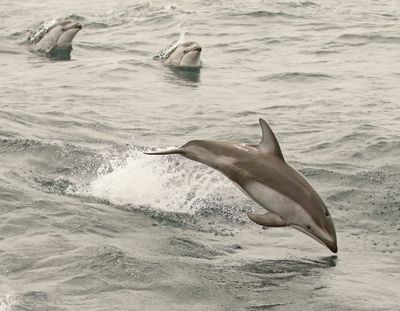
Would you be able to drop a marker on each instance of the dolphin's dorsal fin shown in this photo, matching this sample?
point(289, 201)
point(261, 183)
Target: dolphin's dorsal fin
point(269, 144)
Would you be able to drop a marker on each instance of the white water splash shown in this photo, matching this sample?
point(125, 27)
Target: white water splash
point(173, 45)
point(182, 32)
point(36, 34)
point(167, 51)
point(165, 183)
point(7, 302)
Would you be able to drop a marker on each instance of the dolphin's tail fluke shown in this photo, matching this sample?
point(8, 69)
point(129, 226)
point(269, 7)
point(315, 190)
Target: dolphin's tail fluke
point(164, 152)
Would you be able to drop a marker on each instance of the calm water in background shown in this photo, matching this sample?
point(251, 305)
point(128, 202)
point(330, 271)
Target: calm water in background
point(88, 222)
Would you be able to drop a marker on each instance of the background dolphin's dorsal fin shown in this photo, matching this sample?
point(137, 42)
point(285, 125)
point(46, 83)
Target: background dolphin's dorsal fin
point(269, 144)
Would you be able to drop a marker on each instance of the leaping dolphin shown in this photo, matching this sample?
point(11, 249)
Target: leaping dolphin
point(182, 54)
point(263, 174)
point(56, 41)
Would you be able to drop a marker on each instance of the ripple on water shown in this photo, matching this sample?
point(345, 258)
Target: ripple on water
point(184, 247)
point(7, 302)
point(296, 77)
point(302, 4)
point(266, 14)
point(362, 39)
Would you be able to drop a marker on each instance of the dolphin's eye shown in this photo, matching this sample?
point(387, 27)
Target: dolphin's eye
point(327, 213)
point(308, 227)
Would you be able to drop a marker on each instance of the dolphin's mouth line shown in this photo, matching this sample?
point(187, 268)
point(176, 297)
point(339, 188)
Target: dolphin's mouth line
point(73, 26)
point(197, 49)
point(69, 31)
point(332, 246)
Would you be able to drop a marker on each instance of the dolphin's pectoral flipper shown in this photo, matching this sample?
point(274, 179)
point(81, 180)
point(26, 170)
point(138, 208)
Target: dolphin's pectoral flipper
point(268, 219)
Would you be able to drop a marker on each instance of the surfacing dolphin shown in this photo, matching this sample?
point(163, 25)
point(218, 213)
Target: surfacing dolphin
point(263, 174)
point(182, 54)
point(55, 42)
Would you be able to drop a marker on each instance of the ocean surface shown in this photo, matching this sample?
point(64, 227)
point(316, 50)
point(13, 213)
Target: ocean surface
point(88, 222)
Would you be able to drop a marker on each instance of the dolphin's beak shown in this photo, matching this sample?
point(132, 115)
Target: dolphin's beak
point(330, 243)
point(69, 32)
point(328, 239)
point(330, 233)
point(191, 57)
point(332, 246)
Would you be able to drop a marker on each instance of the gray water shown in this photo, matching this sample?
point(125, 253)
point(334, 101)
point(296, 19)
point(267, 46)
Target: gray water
point(88, 222)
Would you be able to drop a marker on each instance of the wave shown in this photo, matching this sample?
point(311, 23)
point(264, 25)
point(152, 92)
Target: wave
point(362, 39)
point(264, 14)
point(7, 302)
point(302, 4)
point(362, 143)
point(296, 77)
point(168, 184)
point(124, 177)
point(175, 190)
